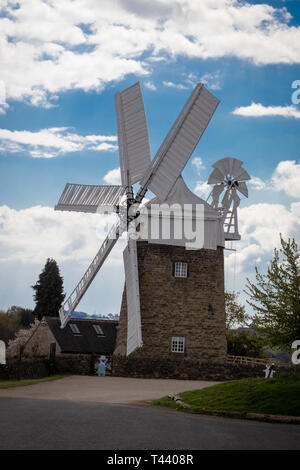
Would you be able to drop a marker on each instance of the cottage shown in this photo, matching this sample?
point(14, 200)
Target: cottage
point(81, 336)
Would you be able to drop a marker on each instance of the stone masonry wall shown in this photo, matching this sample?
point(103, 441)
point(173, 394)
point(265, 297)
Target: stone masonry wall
point(28, 368)
point(150, 367)
point(36, 367)
point(192, 307)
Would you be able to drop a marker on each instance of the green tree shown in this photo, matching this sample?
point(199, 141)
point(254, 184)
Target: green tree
point(48, 291)
point(25, 314)
point(245, 343)
point(235, 312)
point(27, 317)
point(9, 325)
point(275, 297)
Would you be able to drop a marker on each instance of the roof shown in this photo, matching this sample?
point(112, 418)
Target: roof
point(181, 194)
point(87, 341)
point(209, 231)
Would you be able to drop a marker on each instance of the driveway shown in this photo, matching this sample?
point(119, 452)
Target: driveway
point(104, 389)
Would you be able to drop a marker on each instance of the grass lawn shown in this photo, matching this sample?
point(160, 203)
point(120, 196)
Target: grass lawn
point(21, 383)
point(280, 395)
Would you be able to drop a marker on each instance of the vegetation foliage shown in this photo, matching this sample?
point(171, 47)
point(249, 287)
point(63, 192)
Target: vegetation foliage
point(236, 315)
point(279, 395)
point(48, 291)
point(8, 326)
point(13, 320)
point(21, 383)
point(275, 297)
point(245, 343)
point(241, 341)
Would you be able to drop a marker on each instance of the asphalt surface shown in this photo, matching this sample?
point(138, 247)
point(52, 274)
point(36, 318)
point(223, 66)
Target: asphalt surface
point(56, 424)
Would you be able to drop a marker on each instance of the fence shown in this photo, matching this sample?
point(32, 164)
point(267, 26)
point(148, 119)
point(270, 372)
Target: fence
point(252, 360)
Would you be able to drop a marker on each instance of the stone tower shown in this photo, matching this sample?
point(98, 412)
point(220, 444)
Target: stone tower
point(181, 292)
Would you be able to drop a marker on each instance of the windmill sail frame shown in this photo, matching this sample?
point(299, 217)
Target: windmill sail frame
point(90, 198)
point(176, 149)
point(134, 147)
point(134, 327)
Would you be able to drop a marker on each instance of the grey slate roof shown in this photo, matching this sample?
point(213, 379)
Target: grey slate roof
point(87, 342)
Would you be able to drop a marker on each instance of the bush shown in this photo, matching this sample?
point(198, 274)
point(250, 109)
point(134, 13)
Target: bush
point(244, 343)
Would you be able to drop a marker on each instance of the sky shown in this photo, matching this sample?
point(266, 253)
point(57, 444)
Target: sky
point(62, 61)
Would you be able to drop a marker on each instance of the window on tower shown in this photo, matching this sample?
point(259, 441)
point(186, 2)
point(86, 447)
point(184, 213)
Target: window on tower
point(180, 269)
point(178, 344)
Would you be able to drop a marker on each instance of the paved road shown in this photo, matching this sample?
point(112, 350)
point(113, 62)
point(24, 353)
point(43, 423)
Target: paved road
point(54, 424)
point(104, 389)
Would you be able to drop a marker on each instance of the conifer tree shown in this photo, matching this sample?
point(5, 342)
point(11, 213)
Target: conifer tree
point(276, 297)
point(48, 291)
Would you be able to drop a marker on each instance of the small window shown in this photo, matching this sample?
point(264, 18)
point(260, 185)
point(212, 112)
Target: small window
point(75, 329)
point(98, 329)
point(178, 343)
point(181, 269)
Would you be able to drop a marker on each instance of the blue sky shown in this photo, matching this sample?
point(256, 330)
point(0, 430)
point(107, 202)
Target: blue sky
point(63, 62)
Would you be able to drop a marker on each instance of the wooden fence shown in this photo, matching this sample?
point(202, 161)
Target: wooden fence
point(252, 360)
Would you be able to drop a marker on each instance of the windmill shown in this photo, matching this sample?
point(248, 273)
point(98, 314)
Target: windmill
point(228, 178)
point(162, 176)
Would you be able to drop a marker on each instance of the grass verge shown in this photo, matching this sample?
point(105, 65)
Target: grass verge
point(21, 383)
point(277, 396)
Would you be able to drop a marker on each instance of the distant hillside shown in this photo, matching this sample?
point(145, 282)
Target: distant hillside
point(109, 316)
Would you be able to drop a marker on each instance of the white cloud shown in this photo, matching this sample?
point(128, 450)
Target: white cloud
point(156, 59)
point(286, 177)
point(48, 143)
point(40, 98)
point(260, 226)
point(49, 47)
point(258, 184)
point(202, 189)
point(150, 85)
point(190, 80)
point(211, 80)
point(197, 162)
point(3, 108)
point(259, 110)
point(179, 86)
point(113, 176)
point(33, 234)
point(29, 236)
